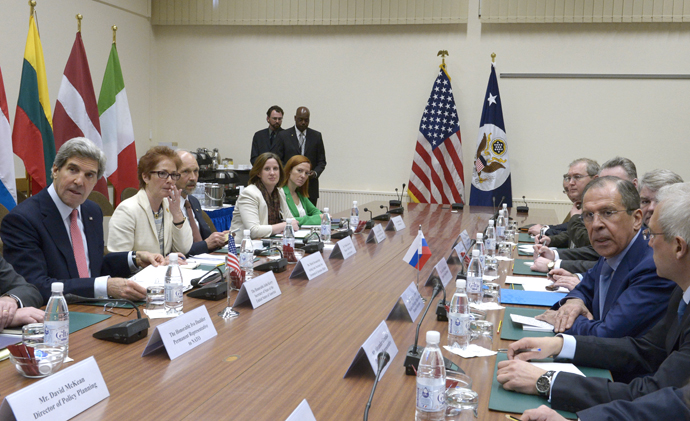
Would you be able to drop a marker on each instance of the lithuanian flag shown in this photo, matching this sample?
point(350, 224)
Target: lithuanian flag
point(32, 136)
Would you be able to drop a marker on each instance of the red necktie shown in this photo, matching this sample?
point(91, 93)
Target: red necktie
point(196, 235)
point(78, 245)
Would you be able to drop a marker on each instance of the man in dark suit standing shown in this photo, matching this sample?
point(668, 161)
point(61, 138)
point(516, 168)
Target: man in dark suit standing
point(265, 140)
point(204, 240)
point(57, 235)
point(301, 140)
point(641, 366)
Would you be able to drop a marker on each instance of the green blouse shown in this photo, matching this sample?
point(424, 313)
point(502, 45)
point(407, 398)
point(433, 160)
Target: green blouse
point(313, 214)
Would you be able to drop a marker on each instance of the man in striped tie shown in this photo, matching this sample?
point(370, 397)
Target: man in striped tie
point(57, 234)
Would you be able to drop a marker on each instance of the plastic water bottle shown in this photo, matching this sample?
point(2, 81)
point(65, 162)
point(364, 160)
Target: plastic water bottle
point(501, 226)
point(289, 242)
point(431, 381)
point(56, 323)
point(479, 245)
point(247, 256)
point(459, 317)
point(173, 286)
point(325, 226)
point(354, 216)
point(490, 240)
point(475, 279)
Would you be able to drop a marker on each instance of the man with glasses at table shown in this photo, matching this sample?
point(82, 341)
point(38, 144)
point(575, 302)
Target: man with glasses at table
point(646, 369)
point(57, 234)
point(622, 295)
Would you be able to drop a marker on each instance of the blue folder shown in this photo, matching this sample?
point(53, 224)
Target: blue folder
point(530, 298)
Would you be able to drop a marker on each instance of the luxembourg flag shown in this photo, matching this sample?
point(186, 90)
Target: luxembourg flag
point(418, 253)
point(8, 193)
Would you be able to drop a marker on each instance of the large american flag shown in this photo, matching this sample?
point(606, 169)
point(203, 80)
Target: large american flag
point(232, 263)
point(437, 172)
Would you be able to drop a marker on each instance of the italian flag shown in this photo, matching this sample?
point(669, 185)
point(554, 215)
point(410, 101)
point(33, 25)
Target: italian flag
point(116, 128)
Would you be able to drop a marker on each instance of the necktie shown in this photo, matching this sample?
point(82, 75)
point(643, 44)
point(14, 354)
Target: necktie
point(681, 309)
point(272, 138)
point(196, 235)
point(301, 143)
point(604, 282)
point(78, 245)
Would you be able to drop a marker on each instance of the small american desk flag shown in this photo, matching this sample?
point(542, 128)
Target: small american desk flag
point(437, 172)
point(232, 263)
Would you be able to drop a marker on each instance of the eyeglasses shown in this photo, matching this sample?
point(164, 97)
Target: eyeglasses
point(164, 174)
point(576, 177)
point(114, 309)
point(588, 217)
point(648, 235)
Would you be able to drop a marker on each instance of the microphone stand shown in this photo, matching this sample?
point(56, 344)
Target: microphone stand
point(414, 354)
point(126, 332)
point(370, 222)
point(383, 359)
point(384, 216)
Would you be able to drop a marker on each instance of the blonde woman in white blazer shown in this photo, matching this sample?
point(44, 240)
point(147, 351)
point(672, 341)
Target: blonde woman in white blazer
point(253, 211)
point(136, 226)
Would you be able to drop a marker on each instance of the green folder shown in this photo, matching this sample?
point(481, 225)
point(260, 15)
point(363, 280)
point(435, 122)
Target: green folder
point(525, 238)
point(520, 268)
point(512, 331)
point(506, 401)
point(79, 321)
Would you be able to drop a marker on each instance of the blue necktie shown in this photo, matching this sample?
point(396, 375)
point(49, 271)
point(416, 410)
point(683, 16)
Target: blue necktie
point(604, 283)
point(681, 309)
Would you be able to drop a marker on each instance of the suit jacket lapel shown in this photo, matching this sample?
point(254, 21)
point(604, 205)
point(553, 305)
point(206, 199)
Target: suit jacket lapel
point(56, 227)
point(632, 257)
point(143, 201)
point(676, 329)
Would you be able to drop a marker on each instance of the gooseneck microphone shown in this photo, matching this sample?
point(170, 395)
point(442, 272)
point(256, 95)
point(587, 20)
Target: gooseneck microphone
point(396, 205)
point(384, 216)
point(523, 209)
point(383, 359)
point(415, 352)
point(370, 222)
point(124, 333)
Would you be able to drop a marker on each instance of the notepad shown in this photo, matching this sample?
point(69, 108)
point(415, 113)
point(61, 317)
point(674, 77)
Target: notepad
point(531, 324)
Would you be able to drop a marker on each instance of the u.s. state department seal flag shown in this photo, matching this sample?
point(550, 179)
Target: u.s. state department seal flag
point(491, 169)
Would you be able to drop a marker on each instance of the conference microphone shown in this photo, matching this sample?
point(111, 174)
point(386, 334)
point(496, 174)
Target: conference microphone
point(311, 246)
point(383, 359)
point(523, 209)
point(396, 205)
point(370, 222)
point(384, 216)
point(277, 265)
point(208, 278)
point(124, 333)
point(442, 307)
point(211, 287)
point(415, 352)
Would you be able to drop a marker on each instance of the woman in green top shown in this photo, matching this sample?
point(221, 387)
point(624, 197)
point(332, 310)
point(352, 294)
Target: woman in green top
point(296, 188)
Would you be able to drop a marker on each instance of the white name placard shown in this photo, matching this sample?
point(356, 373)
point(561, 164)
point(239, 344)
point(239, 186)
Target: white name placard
point(396, 223)
point(259, 290)
point(380, 340)
point(460, 249)
point(313, 265)
point(344, 249)
point(411, 300)
point(376, 234)
point(59, 397)
point(443, 272)
point(466, 239)
point(182, 334)
point(302, 413)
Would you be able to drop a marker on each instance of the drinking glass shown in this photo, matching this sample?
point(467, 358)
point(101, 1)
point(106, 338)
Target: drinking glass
point(461, 400)
point(482, 333)
point(492, 293)
point(32, 334)
point(155, 297)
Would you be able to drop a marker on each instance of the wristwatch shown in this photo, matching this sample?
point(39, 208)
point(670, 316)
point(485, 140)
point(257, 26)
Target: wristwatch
point(551, 265)
point(544, 383)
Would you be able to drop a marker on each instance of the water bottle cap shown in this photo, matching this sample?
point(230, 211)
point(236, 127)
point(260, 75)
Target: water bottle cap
point(475, 253)
point(505, 206)
point(491, 222)
point(433, 337)
point(460, 283)
point(325, 210)
point(247, 233)
point(354, 203)
point(480, 236)
point(172, 257)
point(288, 221)
point(57, 287)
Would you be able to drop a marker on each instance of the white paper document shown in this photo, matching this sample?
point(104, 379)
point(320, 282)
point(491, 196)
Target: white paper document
point(531, 324)
point(151, 275)
point(471, 351)
point(567, 367)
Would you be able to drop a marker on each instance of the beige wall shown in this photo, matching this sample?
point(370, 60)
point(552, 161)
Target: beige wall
point(58, 27)
point(367, 86)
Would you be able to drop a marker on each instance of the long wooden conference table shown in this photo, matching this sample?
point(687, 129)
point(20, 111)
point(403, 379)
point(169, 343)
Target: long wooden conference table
point(299, 345)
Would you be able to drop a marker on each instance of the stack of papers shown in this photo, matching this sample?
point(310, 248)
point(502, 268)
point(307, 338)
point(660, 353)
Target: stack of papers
point(566, 367)
point(486, 306)
point(530, 283)
point(471, 351)
point(531, 324)
point(526, 248)
point(208, 259)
